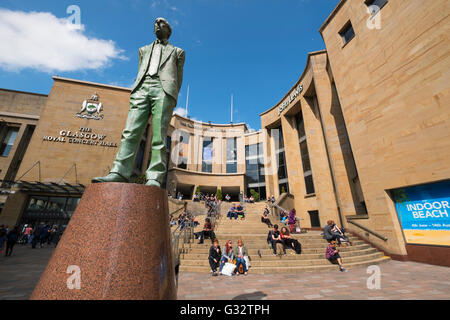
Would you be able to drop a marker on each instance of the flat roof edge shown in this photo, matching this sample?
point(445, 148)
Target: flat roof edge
point(331, 16)
point(212, 124)
point(25, 92)
point(91, 83)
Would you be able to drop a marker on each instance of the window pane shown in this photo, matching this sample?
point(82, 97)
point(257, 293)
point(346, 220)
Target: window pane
point(281, 160)
point(252, 167)
point(252, 177)
point(260, 150)
point(8, 142)
point(347, 33)
point(309, 184)
point(305, 156)
point(300, 125)
point(207, 154)
point(282, 173)
point(232, 167)
point(231, 149)
point(314, 217)
point(206, 167)
point(37, 203)
point(378, 3)
point(56, 204)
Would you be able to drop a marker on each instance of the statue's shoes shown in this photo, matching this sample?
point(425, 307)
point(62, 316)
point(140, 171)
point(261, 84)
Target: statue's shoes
point(153, 183)
point(112, 177)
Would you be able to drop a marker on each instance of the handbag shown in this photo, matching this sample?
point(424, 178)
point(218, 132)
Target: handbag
point(247, 261)
point(228, 269)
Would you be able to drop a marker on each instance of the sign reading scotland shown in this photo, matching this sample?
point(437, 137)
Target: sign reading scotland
point(424, 213)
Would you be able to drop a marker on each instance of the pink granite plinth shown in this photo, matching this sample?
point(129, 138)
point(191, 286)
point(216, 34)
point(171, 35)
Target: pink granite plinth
point(116, 246)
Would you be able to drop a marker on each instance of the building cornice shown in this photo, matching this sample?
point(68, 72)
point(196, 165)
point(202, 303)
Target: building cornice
point(239, 174)
point(207, 124)
point(57, 78)
point(331, 16)
point(25, 92)
point(18, 115)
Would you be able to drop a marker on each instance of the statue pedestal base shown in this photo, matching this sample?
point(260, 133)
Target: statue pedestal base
point(116, 246)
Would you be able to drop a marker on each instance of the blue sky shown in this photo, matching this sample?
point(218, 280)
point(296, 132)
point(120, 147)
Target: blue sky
point(255, 49)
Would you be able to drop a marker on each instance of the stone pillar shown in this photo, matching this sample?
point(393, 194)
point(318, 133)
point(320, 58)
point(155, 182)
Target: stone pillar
point(117, 246)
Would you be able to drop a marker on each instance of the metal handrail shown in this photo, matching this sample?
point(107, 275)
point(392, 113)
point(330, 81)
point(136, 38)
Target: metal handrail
point(185, 235)
point(367, 230)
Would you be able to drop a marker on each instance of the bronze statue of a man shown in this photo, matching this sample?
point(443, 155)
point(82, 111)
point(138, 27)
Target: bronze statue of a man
point(155, 93)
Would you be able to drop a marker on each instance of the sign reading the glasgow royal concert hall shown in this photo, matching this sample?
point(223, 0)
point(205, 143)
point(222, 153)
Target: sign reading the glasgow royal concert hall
point(84, 136)
point(424, 213)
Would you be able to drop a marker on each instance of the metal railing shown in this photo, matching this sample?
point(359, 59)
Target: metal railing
point(376, 234)
point(183, 234)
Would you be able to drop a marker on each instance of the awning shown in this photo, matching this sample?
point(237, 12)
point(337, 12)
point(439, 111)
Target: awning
point(48, 187)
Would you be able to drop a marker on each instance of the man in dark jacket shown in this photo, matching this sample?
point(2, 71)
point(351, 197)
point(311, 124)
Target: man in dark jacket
point(37, 235)
point(12, 237)
point(214, 257)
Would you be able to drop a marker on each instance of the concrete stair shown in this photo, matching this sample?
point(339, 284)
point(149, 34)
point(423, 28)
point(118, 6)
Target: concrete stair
point(254, 234)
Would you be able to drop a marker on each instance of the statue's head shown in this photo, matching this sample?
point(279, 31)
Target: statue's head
point(162, 29)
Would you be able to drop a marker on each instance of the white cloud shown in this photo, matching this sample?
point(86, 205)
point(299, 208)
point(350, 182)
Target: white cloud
point(180, 111)
point(41, 41)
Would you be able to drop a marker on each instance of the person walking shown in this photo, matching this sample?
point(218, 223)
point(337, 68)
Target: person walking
point(12, 238)
point(2, 237)
point(37, 235)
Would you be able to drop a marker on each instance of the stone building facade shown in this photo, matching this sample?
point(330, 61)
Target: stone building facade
point(362, 138)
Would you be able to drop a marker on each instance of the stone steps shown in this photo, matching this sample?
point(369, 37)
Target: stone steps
point(262, 244)
point(267, 255)
point(267, 252)
point(254, 234)
point(263, 236)
point(296, 269)
point(281, 262)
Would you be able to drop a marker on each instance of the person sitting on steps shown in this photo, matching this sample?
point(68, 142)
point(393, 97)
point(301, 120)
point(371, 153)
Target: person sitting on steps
point(239, 212)
point(232, 212)
point(227, 255)
point(240, 252)
point(332, 254)
point(330, 232)
point(265, 219)
point(276, 238)
point(208, 231)
point(214, 257)
point(289, 241)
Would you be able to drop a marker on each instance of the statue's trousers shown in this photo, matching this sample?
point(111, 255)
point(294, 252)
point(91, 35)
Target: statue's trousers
point(147, 100)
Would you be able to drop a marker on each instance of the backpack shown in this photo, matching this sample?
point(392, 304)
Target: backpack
point(297, 247)
point(269, 236)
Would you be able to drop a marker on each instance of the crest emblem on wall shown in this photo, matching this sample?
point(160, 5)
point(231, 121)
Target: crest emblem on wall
point(91, 108)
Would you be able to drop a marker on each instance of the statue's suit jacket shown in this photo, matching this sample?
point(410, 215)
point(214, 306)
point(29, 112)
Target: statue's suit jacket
point(170, 68)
